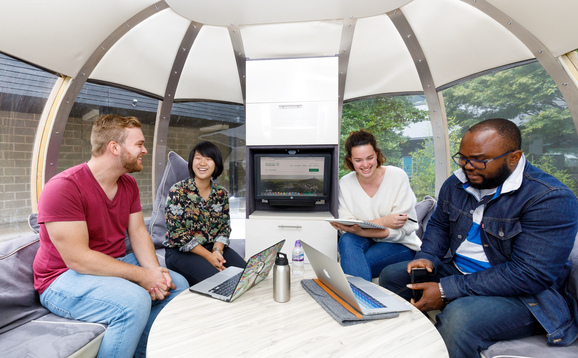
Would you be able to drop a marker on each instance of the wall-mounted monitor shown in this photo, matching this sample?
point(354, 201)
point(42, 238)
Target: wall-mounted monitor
point(292, 179)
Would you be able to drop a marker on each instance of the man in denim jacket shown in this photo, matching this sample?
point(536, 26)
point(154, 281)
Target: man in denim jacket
point(496, 248)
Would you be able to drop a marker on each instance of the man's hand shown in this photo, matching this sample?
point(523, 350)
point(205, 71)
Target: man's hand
point(157, 281)
point(420, 263)
point(431, 298)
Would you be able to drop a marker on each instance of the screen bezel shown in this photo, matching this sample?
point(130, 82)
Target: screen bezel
point(287, 200)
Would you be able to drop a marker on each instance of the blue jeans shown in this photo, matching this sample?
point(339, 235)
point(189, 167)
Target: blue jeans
point(469, 324)
point(126, 307)
point(365, 258)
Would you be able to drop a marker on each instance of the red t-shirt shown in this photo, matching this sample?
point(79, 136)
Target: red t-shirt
point(75, 195)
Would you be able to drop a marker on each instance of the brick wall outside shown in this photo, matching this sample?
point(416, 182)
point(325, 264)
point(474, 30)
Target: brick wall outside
point(17, 140)
point(17, 134)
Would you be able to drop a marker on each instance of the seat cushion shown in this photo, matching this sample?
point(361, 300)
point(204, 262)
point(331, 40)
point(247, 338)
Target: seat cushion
point(534, 347)
point(19, 300)
point(49, 336)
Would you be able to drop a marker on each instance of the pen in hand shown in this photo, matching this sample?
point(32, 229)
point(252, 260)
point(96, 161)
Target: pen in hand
point(410, 219)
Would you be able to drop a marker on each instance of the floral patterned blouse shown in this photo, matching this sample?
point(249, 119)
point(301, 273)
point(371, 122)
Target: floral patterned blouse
point(191, 220)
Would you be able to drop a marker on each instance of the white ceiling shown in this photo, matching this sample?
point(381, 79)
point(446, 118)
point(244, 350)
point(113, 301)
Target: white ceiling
point(457, 39)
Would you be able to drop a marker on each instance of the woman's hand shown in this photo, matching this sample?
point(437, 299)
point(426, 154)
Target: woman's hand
point(393, 221)
point(216, 259)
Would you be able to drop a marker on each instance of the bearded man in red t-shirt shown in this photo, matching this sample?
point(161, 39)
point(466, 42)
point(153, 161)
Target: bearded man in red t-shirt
point(81, 270)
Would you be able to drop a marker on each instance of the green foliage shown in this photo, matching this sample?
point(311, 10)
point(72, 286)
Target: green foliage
point(423, 179)
point(546, 163)
point(528, 96)
point(385, 118)
point(525, 94)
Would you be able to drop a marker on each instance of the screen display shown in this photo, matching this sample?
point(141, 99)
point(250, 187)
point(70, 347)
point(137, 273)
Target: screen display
point(292, 176)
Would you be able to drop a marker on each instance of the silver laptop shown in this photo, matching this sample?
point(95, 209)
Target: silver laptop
point(232, 282)
point(362, 295)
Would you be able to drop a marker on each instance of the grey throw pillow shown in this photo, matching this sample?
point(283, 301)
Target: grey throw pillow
point(175, 171)
point(424, 209)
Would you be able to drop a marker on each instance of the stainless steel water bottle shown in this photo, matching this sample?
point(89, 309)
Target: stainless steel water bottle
point(281, 278)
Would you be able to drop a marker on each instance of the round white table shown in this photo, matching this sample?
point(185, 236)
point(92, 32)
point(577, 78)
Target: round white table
point(254, 325)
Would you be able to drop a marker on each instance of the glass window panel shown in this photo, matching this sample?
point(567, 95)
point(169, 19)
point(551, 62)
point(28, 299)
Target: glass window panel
point(403, 130)
point(24, 90)
point(529, 97)
point(222, 124)
point(94, 101)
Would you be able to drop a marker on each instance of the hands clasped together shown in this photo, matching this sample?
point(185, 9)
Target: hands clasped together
point(158, 282)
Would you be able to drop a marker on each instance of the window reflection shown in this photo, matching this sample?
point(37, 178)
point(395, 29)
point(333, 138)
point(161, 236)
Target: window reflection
point(529, 97)
point(403, 131)
point(222, 124)
point(24, 90)
point(96, 100)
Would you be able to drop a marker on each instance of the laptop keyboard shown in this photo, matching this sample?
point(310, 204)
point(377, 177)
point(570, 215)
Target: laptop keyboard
point(365, 300)
point(226, 288)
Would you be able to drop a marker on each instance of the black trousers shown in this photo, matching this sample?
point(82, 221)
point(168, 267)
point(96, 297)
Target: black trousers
point(194, 267)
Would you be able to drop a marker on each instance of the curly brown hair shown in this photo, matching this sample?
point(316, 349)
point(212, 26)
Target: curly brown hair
point(357, 139)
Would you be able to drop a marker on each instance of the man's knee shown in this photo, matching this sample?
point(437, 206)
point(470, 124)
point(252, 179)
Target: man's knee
point(394, 275)
point(179, 281)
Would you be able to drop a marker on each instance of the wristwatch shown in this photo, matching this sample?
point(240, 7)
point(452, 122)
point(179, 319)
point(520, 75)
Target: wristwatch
point(443, 294)
point(217, 249)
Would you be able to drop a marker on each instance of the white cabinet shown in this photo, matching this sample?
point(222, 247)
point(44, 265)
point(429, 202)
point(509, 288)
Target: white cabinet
point(292, 101)
point(265, 228)
point(292, 80)
point(297, 123)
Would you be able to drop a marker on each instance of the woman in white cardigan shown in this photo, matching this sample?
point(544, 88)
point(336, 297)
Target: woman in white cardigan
point(378, 194)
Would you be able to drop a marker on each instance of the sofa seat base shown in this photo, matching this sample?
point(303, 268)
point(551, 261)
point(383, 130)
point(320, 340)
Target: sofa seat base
point(52, 336)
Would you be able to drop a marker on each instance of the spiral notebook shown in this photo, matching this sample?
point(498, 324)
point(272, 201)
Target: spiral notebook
point(361, 223)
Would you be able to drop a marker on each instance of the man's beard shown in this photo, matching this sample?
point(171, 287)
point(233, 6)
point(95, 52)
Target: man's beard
point(130, 163)
point(488, 183)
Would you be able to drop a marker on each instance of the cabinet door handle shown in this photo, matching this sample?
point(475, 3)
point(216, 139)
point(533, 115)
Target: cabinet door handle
point(290, 226)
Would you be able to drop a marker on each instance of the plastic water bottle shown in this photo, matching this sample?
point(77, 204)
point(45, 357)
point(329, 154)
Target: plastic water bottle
point(298, 257)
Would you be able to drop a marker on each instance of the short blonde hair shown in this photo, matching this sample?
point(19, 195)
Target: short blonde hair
point(110, 127)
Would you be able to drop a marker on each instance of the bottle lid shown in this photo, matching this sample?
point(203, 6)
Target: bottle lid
point(281, 259)
point(298, 243)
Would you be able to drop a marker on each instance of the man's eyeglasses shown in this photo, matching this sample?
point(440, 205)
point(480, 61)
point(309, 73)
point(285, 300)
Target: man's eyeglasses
point(476, 163)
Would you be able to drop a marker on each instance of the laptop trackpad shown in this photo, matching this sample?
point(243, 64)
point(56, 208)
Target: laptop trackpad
point(219, 277)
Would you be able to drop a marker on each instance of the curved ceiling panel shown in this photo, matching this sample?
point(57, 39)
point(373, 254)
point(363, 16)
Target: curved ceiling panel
point(143, 58)
point(458, 40)
point(304, 39)
point(552, 22)
point(251, 12)
point(211, 70)
point(379, 64)
point(60, 35)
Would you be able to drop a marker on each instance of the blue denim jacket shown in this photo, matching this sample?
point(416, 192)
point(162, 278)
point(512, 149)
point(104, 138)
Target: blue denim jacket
point(527, 236)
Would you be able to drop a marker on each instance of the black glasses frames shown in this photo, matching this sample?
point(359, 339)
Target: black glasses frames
point(476, 163)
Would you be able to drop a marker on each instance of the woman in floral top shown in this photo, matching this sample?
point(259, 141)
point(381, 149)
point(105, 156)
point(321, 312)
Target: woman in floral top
point(197, 217)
